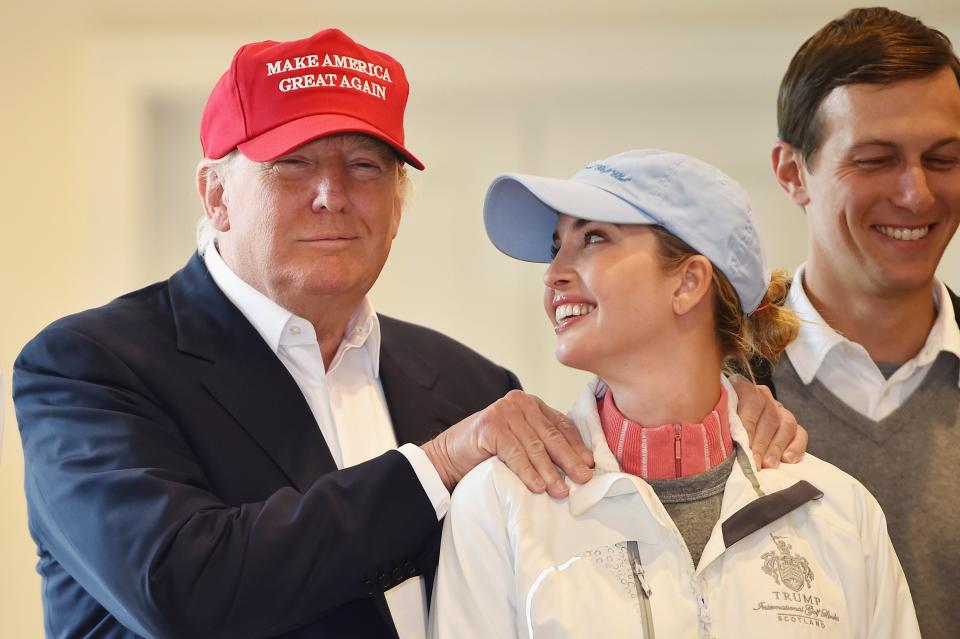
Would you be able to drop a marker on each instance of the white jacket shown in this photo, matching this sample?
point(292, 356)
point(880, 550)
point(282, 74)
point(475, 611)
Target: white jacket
point(609, 562)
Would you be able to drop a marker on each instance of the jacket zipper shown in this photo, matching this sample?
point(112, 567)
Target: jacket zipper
point(676, 449)
point(643, 589)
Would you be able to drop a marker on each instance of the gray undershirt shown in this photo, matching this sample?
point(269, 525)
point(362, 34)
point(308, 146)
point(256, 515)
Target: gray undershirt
point(694, 503)
point(887, 369)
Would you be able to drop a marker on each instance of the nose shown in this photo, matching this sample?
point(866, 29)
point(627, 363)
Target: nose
point(331, 194)
point(913, 190)
point(559, 272)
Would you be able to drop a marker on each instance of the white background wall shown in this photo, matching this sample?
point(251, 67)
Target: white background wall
point(100, 113)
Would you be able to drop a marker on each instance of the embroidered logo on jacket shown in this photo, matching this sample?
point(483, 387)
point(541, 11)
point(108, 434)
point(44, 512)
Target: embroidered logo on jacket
point(788, 569)
point(797, 602)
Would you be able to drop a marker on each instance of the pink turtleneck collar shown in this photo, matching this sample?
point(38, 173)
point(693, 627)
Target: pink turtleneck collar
point(667, 451)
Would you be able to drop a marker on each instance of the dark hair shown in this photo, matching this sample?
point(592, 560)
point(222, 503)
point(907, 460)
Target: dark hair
point(742, 338)
point(868, 46)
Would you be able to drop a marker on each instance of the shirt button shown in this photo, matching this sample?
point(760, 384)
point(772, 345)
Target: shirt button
point(295, 329)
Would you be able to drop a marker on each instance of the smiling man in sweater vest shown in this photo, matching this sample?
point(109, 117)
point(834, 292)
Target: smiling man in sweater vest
point(869, 147)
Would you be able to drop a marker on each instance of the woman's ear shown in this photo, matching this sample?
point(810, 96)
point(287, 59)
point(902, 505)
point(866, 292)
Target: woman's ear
point(696, 277)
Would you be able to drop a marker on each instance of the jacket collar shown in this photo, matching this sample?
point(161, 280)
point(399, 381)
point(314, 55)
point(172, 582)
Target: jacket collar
point(419, 407)
point(744, 488)
point(609, 480)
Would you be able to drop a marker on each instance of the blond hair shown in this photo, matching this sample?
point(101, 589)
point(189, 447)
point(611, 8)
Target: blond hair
point(742, 337)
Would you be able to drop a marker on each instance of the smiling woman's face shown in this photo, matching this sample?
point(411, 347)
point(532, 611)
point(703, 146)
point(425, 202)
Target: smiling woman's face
point(607, 295)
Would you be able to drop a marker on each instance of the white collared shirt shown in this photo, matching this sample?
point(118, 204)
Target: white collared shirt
point(347, 394)
point(844, 367)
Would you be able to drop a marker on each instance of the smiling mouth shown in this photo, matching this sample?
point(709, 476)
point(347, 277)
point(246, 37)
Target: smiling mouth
point(566, 311)
point(903, 233)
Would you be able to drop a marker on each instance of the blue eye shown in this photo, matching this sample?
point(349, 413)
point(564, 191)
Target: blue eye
point(554, 249)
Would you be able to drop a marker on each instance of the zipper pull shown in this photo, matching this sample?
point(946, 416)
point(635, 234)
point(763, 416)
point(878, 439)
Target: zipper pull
point(676, 449)
point(642, 578)
point(636, 566)
point(704, 612)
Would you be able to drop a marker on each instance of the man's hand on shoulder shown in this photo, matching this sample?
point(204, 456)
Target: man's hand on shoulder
point(531, 438)
point(775, 435)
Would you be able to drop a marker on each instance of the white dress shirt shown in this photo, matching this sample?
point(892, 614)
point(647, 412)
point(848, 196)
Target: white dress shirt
point(341, 398)
point(845, 368)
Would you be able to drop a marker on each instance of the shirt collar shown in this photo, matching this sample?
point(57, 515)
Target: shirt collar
point(280, 327)
point(817, 338)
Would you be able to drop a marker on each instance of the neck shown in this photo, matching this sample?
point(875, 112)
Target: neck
point(329, 313)
point(892, 326)
point(329, 321)
point(682, 385)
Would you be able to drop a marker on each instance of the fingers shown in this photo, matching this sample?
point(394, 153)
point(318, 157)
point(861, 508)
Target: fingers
point(532, 439)
point(562, 438)
point(781, 423)
point(797, 447)
point(750, 403)
point(549, 440)
point(514, 454)
point(527, 426)
point(761, 418)
point(528, 436)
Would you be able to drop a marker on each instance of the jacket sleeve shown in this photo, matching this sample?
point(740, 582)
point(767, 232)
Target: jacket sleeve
point(117, 496)
point(475, 591)
point(892, 612)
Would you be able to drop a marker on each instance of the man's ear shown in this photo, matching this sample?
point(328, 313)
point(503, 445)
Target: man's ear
point(213, 196)
point(788, 169)
point(696, 277)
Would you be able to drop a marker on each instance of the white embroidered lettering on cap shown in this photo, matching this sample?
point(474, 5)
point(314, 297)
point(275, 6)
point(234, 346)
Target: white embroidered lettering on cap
point(345, 81)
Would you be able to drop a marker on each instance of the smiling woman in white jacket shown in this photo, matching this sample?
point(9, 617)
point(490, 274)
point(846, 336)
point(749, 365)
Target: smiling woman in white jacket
point(656, 284)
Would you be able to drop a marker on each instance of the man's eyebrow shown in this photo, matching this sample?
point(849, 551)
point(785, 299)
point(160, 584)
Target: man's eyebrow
point(875, 142)
point(944, 142)
point(891, 145)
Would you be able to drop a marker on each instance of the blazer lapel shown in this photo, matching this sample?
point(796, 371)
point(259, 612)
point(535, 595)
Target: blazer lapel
point(418, 411)
point(246, 377)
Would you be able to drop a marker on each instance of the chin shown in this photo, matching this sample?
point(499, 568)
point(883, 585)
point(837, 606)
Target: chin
point(571, 358)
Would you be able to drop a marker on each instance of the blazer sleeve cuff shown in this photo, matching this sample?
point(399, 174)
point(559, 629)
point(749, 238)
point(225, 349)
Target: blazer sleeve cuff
point(429, 478)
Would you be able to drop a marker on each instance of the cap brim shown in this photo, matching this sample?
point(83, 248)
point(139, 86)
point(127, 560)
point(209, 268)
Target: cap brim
point(520, 212)
point(286, 137)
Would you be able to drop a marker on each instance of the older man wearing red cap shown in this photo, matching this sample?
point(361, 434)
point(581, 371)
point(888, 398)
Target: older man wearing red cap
point(234, 452)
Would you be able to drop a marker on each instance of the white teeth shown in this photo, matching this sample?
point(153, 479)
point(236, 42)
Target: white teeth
point(901, 233)
point(563, 311)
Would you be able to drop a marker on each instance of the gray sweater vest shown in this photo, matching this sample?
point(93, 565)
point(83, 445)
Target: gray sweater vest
point(910, 461)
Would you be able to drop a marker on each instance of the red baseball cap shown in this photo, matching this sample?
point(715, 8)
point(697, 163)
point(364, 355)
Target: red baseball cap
point(277, 96)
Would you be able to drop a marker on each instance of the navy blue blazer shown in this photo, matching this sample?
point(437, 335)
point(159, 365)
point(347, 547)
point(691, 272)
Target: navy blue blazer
point(178, 485)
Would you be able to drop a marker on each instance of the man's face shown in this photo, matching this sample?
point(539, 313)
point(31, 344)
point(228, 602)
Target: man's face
point(883, 194)
point(316, 224)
